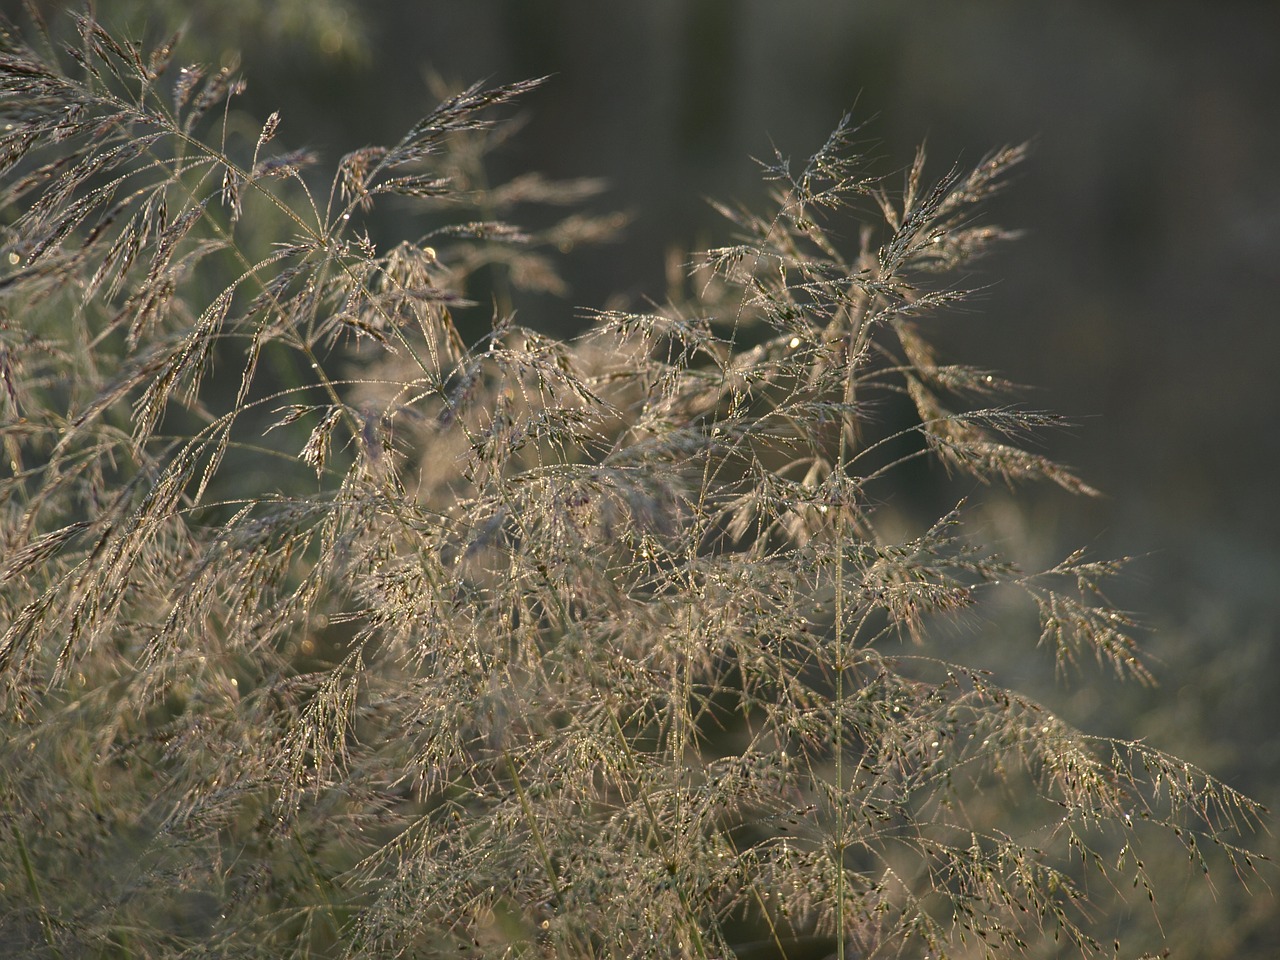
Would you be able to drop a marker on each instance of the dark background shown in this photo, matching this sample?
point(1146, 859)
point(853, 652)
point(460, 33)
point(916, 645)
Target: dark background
point(1140, 302)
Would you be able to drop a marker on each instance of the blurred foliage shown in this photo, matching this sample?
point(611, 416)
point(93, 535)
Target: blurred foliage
point(325, 31)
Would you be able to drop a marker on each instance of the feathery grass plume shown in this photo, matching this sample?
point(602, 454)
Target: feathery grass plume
point(393, 640)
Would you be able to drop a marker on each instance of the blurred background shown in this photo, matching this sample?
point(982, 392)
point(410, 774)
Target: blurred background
point(1139, 302)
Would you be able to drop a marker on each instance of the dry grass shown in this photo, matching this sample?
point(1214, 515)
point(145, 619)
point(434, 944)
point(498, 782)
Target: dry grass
point(327, 632)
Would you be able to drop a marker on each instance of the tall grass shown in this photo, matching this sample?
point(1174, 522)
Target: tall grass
point(331, 628)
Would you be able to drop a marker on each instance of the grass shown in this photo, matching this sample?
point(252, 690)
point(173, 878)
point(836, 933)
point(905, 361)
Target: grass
point(332, 627)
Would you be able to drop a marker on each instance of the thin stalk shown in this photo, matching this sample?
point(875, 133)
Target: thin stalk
point(29, 871)
point(664, 850)
point(847, 431)
point(527, 809)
